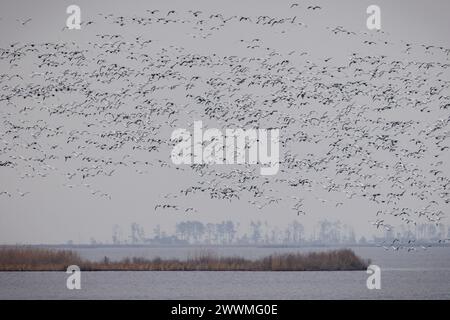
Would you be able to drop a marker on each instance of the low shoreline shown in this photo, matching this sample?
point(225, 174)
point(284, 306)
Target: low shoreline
point(37, 259)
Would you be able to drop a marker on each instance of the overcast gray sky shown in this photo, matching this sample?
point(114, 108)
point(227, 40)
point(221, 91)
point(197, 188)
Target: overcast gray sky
point(53, 213)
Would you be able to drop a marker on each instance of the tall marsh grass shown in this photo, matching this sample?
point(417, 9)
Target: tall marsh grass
point(31, 259)
point(38, 259)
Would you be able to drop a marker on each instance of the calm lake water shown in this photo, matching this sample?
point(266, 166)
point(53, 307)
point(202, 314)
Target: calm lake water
point(423, 274)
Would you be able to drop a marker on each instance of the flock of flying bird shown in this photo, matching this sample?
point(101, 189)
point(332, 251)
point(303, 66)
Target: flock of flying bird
point(374, 127)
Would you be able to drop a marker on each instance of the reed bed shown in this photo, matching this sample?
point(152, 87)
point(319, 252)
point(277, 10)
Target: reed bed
point(38, 259)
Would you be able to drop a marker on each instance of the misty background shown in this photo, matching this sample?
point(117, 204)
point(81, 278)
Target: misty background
point(54, 213)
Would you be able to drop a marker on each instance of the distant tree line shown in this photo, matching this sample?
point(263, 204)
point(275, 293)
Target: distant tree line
point(228, 232)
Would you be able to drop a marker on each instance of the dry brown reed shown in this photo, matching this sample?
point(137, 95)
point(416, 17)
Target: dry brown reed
point(39, 259)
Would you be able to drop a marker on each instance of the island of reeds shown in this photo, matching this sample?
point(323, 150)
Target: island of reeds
point(39, 259)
